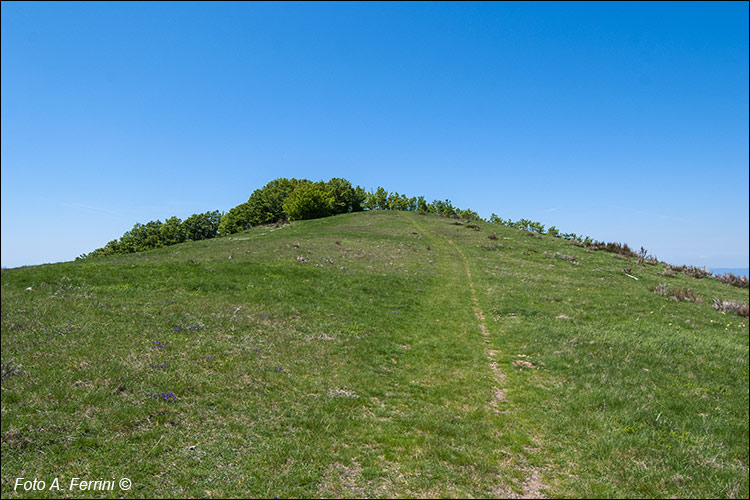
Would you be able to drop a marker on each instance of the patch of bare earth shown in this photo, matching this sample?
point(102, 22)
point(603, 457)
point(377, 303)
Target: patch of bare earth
point(531, 488)
point(341, 481)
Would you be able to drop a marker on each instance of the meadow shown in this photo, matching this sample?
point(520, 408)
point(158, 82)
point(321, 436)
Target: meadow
point(374, 354)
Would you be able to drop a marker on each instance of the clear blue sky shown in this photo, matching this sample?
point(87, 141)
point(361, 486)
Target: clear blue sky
point(622, 121)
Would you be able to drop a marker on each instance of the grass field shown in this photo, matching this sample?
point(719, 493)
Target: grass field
point(376, 354)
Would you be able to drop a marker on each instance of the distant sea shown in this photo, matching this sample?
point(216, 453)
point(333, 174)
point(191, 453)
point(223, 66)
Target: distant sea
point(737, 271)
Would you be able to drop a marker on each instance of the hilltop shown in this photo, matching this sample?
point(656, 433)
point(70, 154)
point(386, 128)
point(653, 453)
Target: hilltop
point(375, 354)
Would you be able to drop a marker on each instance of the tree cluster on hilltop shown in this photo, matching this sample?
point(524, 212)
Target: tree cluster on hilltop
point(298, 199)
point(280, 199)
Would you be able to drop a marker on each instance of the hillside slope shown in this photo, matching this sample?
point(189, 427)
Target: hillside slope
point(369, 355)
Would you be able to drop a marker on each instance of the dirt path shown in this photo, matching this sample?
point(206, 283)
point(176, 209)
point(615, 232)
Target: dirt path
point(532, 486)
point(499, 392)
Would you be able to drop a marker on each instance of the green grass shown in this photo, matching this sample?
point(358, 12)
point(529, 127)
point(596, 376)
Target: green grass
point(343, 357)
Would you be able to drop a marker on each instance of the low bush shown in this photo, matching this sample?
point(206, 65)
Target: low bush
point(558, 255)
point(678, 294)
point(697, 272)
point(734, 280)
point(739, 308)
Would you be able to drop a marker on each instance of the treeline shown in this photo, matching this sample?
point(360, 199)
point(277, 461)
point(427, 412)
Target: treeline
point(293, 199)
point(297, 199)
point(280, 199)
point(157, 234)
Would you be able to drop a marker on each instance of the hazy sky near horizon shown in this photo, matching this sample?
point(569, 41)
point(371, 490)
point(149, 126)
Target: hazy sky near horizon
point(623, 121)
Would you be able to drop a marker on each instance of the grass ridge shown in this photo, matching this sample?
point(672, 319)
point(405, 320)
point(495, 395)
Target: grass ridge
point(346, 357)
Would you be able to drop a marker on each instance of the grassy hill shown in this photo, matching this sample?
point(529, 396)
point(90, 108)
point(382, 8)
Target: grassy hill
point(373, 354)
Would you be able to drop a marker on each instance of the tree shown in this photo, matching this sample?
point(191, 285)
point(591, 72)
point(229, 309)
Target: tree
point(308, 201)
point(340, 194)
point(380, 199)
point(237, 219)
point(141, 237)
point(267, 204)
point(172, 231)
point(444, 207)
point(468, 214)
point(358, 202)
point(202, 226)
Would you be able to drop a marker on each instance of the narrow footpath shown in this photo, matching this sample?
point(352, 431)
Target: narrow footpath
point(532, 486)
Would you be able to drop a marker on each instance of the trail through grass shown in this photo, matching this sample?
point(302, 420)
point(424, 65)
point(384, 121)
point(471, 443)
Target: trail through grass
point(372, 355)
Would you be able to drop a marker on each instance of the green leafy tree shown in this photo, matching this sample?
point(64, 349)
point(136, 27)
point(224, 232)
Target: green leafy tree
point(381, 199)
point(202, 226)
point(266, 205)
point(444, 207)
point(358, 202)
point(109, 249)
point(341, 195)
point(395, 201)
point(468, 214)
point(237, 219)
point(537, 227)
point(141, 237)
point(308, 201)
point(172, 232)
point(403, 202)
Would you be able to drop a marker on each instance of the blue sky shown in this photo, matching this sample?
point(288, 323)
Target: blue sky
point(622, 121)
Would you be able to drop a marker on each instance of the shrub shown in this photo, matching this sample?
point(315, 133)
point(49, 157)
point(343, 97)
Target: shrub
point(10, 369)
point(558, 255)
point(668, 271)
point(697, 272)
point(740, 281)
point(739, 308)
point(642, 254)
point(613, 247)
point(493, 246)
point(678, 294)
